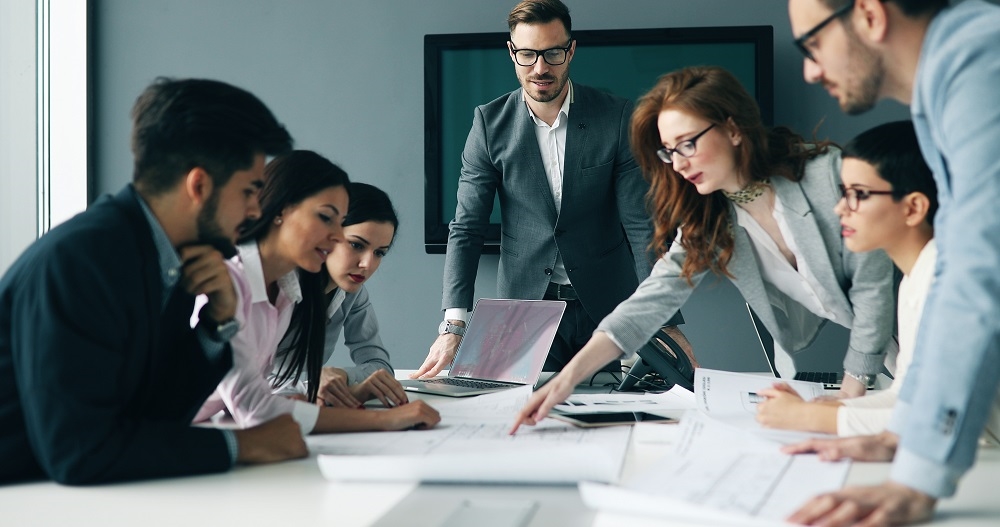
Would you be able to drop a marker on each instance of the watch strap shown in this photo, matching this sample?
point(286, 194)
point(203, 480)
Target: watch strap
point(454, 329)
point(867, 379)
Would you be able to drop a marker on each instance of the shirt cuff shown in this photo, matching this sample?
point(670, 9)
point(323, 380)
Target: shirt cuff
point(456, 313)
point(863, 363)
point(933, 479)
point(306, 414)
point(232, 444)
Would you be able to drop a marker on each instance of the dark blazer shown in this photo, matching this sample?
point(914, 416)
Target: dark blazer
point(602, 222)
point(96, 385)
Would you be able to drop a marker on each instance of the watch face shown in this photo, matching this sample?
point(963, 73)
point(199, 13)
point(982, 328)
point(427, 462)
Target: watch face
point(443, 327)
point(227, 330)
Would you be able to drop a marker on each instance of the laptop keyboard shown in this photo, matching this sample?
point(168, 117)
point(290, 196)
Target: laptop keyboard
point(466, 383)
point(826, 377)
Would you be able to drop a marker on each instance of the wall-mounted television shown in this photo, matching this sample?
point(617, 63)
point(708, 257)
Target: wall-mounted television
point(462, 71)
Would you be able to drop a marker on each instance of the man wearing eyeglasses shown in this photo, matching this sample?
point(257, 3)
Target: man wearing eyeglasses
point(945, 63)
point(574, 222)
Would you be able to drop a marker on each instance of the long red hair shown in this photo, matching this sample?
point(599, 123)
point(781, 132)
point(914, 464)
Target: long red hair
point(717, 96)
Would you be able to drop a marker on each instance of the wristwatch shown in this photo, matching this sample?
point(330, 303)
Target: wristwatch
point(447, 327)
point(220, 331)
point(867, 379)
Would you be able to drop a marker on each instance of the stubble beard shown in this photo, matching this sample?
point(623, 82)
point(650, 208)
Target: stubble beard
point(209, 230)
point(558, 85)
point(861, 91)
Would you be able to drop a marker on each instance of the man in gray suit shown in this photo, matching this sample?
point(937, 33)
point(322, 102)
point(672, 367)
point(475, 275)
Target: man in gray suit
point(574, 224)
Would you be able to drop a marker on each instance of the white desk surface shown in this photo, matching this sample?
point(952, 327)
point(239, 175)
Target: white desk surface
point(295, 493)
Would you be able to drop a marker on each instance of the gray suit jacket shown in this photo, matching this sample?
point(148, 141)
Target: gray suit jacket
point(354, 315)
point(861, 283)
point(603, 217)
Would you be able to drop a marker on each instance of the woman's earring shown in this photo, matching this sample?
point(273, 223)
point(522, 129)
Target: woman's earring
point(277, 221)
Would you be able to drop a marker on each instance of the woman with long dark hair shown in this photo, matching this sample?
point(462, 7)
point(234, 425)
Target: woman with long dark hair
point(369, 231)
point(277, 271)
point(754, 205)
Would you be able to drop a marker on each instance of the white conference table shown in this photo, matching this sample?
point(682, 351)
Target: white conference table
point(295, 493)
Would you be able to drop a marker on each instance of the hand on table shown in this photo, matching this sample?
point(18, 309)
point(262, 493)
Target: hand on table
point(383, 386)
point(334, 391)
point(441, 354)
point(276, 440)
point(881, 505)
point(782, 407)
point(878, 447)
point(415, 415)
point(557, 390)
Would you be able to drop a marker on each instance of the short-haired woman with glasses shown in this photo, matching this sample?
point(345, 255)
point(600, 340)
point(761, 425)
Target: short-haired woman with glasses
point(754, 205)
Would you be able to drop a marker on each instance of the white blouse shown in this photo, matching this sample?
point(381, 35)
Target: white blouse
point(798, 282)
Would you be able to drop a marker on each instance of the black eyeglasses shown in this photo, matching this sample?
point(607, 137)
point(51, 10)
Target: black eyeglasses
point(801, 41)
point(552, 56)
point(684, 148)
point(855, 196)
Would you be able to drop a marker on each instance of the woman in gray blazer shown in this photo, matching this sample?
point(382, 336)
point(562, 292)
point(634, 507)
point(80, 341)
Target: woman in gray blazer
point(369, 230)
point(751, 204)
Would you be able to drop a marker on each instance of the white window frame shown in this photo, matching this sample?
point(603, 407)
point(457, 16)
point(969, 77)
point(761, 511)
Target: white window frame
point(62, 110)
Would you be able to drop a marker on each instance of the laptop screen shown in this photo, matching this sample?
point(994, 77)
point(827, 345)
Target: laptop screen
point(508, 340)
point(766, 341)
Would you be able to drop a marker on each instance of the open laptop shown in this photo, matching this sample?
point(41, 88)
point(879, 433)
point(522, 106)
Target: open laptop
point(504, 346)
point(831, 379)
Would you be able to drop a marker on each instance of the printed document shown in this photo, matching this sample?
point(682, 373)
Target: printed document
point(472, 444)
point(730, 477)
point(672, 403)
point(732, 398)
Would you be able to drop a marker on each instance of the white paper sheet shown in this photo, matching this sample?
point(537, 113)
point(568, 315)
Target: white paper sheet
point(671, 403)
point(732, 398)
point(472, 444)
point(720, 473)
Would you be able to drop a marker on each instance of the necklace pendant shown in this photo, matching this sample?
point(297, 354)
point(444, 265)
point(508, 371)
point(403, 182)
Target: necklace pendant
point(749, 193)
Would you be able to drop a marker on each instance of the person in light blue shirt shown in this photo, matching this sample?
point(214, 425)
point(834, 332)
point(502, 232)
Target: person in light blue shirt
point(945, 63)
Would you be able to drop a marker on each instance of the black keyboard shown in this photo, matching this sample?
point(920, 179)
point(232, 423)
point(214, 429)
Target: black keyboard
point(466, 383)
point(825, 377)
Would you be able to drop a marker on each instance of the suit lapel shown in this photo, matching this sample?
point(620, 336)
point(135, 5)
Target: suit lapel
point(532, 155)
point(743, 266)
point(577, 137)
point(128, 204)
point(801, 222)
